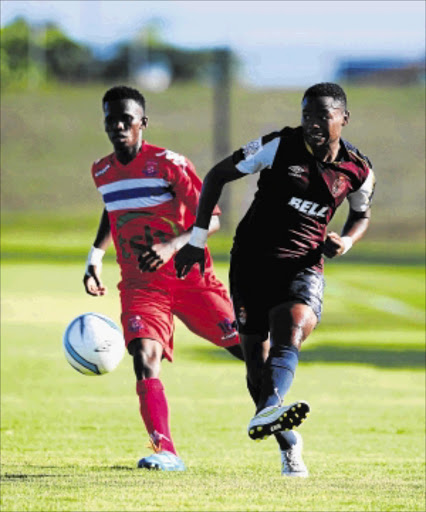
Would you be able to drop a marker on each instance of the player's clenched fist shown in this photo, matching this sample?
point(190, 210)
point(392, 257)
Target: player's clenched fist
point(334, 245)
point(186, 258)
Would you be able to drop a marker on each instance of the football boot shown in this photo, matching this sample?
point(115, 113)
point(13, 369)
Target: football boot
point(163, 461)
point(291, 460)
point(276, 418)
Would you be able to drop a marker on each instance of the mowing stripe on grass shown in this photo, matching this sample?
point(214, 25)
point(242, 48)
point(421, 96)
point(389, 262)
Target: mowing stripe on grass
point(384, 303)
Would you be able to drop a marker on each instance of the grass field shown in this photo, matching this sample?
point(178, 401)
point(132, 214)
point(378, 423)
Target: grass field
point(71, 442)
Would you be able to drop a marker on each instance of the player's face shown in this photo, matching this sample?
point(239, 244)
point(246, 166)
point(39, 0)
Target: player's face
point(124, 121)
point(322, 121)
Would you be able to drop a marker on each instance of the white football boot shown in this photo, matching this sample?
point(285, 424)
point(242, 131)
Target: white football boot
point(291, 460)
point(276, 418)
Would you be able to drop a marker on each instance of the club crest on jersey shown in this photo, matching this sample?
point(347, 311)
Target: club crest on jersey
point(295, 171)
point(338, 186)
point(150, 169)
point(135, 323)
point(251, 148)
point(102, 171)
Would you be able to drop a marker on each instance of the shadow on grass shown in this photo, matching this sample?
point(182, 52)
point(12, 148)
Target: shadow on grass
point(58, 472)
point(24, 476)
point(373, 356)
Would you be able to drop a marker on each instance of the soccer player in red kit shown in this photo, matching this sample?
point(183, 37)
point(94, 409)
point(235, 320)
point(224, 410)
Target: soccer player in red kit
point(150, 195)
point(276, 272)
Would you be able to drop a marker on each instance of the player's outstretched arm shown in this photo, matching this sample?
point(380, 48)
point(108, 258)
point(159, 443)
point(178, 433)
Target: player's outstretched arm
point(354, 229)
point(92, 275)
point(151, 258)
point(193, 252)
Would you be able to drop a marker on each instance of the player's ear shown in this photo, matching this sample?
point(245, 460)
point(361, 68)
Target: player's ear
point(346, 116)
point(144, 121)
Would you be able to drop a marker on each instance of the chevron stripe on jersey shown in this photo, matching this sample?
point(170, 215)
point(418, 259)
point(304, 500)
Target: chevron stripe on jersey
point(135, 193)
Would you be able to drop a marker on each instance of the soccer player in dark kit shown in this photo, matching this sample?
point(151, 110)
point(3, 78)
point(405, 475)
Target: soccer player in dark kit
point(151, 195)
point(276, 271)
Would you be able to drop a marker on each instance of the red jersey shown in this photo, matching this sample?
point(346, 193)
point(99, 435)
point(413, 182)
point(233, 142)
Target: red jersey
point(152, 199)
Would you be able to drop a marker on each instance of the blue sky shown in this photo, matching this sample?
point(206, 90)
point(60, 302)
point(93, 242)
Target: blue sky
point(281, 43)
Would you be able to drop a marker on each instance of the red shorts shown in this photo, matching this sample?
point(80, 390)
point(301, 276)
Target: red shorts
point(202, 304)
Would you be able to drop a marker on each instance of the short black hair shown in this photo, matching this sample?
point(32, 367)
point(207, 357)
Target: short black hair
point(122, 92)
point(327, 89)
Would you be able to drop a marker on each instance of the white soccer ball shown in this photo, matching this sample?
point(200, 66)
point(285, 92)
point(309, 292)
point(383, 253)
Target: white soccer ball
point(93, 344)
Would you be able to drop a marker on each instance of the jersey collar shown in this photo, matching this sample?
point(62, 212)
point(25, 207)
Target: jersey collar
point(138, 155)
point(343, 152)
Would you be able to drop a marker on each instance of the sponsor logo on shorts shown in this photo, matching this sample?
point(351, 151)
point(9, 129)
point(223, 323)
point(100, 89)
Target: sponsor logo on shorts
point(242, 315)
point(135, 324)
point(228, 328)
point(150, 169)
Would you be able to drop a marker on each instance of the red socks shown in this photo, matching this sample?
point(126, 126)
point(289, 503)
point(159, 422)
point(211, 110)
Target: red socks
point(155, 413)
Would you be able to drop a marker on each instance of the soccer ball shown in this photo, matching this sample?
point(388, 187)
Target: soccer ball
point(93, 344)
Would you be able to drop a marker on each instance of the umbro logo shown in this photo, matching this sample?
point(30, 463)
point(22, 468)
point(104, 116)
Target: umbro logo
point(296, 171)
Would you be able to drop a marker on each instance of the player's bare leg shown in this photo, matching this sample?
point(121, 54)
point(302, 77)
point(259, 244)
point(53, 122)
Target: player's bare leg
point(147, 355)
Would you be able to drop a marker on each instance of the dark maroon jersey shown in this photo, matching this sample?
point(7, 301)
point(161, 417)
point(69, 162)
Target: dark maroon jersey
point(297, 196)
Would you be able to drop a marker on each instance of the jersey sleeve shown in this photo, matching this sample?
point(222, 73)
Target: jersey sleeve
point(361, 199)
point(257, 155)
point(93, 170)
point(186, 185)
point(100, 168)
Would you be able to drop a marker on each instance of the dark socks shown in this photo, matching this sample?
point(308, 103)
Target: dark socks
point(284, 439)
point(277, 375)
point(254, 391)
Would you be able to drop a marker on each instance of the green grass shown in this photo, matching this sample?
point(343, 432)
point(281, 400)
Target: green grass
point(71, 442)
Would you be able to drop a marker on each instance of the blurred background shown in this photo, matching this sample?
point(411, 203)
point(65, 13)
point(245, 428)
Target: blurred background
point(215, 75)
